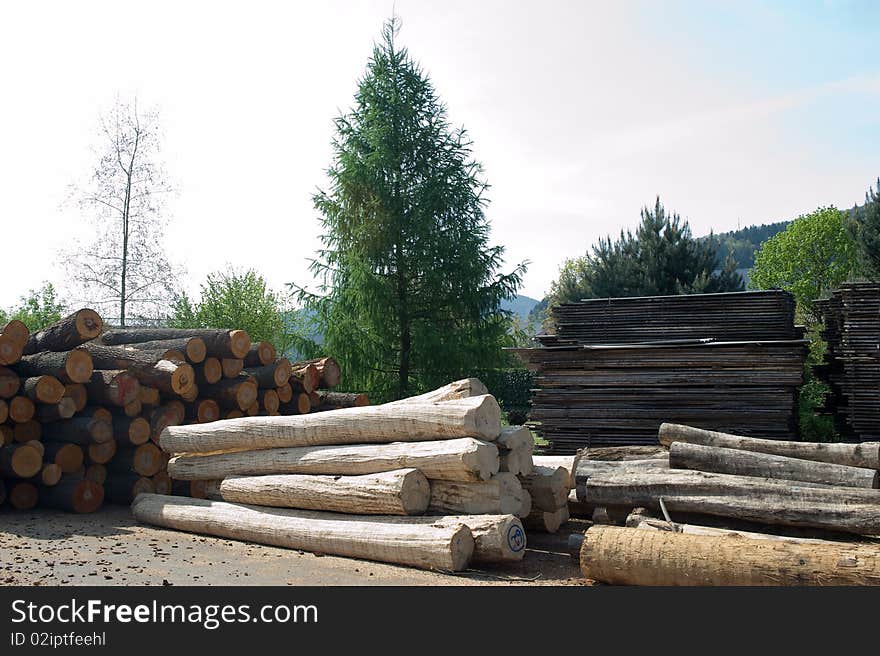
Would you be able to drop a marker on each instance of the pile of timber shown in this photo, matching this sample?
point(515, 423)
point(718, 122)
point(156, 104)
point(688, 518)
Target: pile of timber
point(620, 367)
point(431, 481)
point(852, 370)
point(82, 407)
point(721, 509)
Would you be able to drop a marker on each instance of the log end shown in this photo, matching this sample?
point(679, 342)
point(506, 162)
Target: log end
point(239, 343)
point(415, 492)
point(87, 496)
point(50, 474)
point(88, 324)
point(102, 453)
point(266, 353)
point(78, 366)
point(183, 379)
point(196, 350)
point(26, 461)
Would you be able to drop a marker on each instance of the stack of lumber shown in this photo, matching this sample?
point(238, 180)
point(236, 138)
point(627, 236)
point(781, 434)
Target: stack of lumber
point(93, 403)
point(724, 509)
point(852, 330)
point(415, 482)
point(733, 360)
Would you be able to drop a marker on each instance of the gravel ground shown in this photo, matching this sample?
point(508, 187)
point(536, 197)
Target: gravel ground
point(45, 547)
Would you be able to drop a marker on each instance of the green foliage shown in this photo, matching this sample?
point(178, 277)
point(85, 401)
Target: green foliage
point(814, 428)
point(864, 227)
point(410, 289)
point(809, 258)
point(232, 299)
point(512, 387)
point(661, 258)
point(37, 309)
point(742, 244)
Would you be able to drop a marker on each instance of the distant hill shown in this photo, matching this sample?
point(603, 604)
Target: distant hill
point(744, 243)
point(521, 306)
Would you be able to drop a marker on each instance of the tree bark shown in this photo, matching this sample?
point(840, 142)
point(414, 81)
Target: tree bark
point(587, 468)
point(203, 411)
point(749, 463)
point(113, 387)
point(21, 409)
point(761, 500)
point(426, 546)
point(866, 454)
point(23, 495)
point(145, 460)
point(77, 495)
point(456, 390)
point(43, 389)
point(478, 417)
point(396, 492)
point(64, 454)
point(338, 400)
point(501, 495)
point(164, 375)
point(68, 366)
point(465, 460)
point(20, 460)
point(568, 463)
point(260, 354)
point(9, 383)
point(218, 343)
point(79, 394)
point(123, 488)
point(66, 334)
point(64, 409)
point(28, 431)
point(210, 372)
point(305, 379)
point(329, 373)
point(79, 430)
point(271, 376)
point(192, 348)
point(131, 431)
point(628, 556)
point(231, 393)
point(101, 454)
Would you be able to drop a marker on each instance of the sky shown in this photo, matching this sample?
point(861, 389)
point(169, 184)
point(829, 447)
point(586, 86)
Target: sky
point(581, 113)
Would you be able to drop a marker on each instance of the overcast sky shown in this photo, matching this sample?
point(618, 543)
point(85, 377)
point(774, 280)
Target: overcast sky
point(581, 112)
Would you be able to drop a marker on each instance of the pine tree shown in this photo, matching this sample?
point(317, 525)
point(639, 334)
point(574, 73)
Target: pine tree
point(865, 229)
point(411, 287)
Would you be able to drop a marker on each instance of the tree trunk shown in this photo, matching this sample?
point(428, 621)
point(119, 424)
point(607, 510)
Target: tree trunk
point(149, 396)
point(501, 495)
point(338, 400)
point(210, 372)
point(66, 334)
point(113, 387)
point(587, 468)
point(79, 430)
point(272, 375)
point(145, 460)
point(329, 373)
point(203, 411)
point(866, 454)
point(131, 431)
point(620, 453)
point(268, 400)
point(162, 483)
point(68, 366)
point(478, 417)
point(192, 348)
point(43, 389)
point(170, 414)
point(101, 454)
point(64, 409)
point(23, 495)
point(9, 383)
point(10, 349)
point(17, 331)
point(544, 521)
point(749, 463)
point(568, 463)
point(518, 462)
point(260, 354)
point(548, 487)
point(766, 501)
point(28, 431)
point(305, 379)
point(79, 394)
point(20, 460)
point(231, 393)
point(123, 488)
point(231, 367)
point(96, 473)
point(396, 492)
point(628, 556)
point(446, 548)
point(459, 389)
point(77, 495)
point(164, 375)
point(465, 460)
point(64, 454)
point(218, 343)
point(285, 394)
point(21, 409)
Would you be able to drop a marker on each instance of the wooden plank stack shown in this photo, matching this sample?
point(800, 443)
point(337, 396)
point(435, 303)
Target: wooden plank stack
point(93, 403)
point(723, 509)
point(734, 360)
point(415, 482)
point(852, 330)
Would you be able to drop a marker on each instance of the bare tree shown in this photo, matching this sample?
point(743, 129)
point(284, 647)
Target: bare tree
point(124, 272)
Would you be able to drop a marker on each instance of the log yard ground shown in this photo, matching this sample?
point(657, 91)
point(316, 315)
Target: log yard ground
point(48, 547)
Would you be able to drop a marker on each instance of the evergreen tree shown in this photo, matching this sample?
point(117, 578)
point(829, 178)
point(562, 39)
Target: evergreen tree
point(410, 289)
point(865, 230)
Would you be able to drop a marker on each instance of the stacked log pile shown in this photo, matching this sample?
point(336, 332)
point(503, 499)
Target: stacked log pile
point(617, 368)
point(724, 509)
point(416, 482)
point(852, 370)
point(93, 403)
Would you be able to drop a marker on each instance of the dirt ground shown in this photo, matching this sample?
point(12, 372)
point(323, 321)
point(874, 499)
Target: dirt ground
point(45, 547)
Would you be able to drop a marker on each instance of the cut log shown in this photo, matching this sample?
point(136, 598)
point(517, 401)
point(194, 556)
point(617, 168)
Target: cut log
point(23, 496)
point(17, 330)
point(7, 435)
point(145, 460)
point(99, 412)
point(285, 393)
point(191, 394)
point(300, 405)
point(232, 393)
point(761, 500)
point(101, 454)
point(617, 453)
point(233, 414)
point(2, 492)
point(546, 522)
point(866, 454)
point(515, 444)
point(548, 487)
point(170, 414)
point(79, 430)
point(328, 370)
point(164, 375)
point(306, 379)
point(611, 515)
point(50, 474)
point(464, 459)
point(268, 401)
point(337, 400)
point(577, 508)
point(113, 387)
point(218, 343)
point(4, 411)
point(203, 411)
point(123, 488)
point(478, 417)
point(354, 536)
point(69, 457)
point(518, 462)
point(260, 354)
point(231, 367)
point(10, 349)
point(28, 431)
point(515, 437)
point(525, 508)
point(253, 409)
point(271, 376)
point(68, 366)
point(66, 334)
point(501, 495)
point(20, 460)
point(78, 495)
point(79, 394)
point(209, 372)
point(131, 431)
point(43, 389)
point(397, 492)
point(459, 389)
point(162, 483)
point(9, 383)
point(749, 463)
point(133, 408)
point(21, 409)
point(96, 473)
point(64, 409)
point(192, 348)
point(629, 556)
point(586, 468)
point(148, 396)
point(568, 463)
